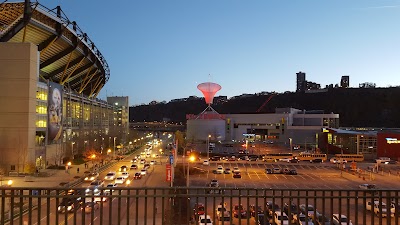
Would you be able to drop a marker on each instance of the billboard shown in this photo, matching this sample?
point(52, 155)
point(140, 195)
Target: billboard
point(54, 111)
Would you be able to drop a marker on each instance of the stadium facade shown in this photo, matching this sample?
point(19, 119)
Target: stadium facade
point(50, 75)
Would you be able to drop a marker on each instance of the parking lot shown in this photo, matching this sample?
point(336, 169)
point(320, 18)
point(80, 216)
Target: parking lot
point(309, 176)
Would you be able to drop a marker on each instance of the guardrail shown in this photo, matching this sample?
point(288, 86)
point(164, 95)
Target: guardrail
point(173, 206)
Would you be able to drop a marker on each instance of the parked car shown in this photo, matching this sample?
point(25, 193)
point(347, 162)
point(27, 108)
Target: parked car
point(254, 210)
point(284, 160)
point(367, 186)
point(294, 160)
point(239, 210)
point(293, 209)
point(269, 160)
point(342, 220)
point(237, 175)
point(277, 170)
point(262, 220)
point(227, 171)
point(206, 163)
point(290, 171)
point(199, 209)
point(280, 218)
point(270, 207)
point(214, 183)
point(268, 171)
point(220, 170)
point(379, 208)
point(310, 210)
point(301, 219)
point(223, 213)
point(236, 169)
point(205, 220)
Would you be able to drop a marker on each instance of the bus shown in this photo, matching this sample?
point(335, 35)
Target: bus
point(276, 156)
point(350, 157)
point(311, 157)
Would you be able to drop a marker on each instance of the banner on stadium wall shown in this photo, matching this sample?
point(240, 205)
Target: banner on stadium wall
point(54, 111)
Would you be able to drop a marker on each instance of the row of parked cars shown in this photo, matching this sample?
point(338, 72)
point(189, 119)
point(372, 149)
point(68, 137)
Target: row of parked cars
point(278, 170)
point(273, 214)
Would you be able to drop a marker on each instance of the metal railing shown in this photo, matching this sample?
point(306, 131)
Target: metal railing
point(175, 206)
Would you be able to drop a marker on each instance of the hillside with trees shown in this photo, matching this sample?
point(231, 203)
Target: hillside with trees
point(357, 107)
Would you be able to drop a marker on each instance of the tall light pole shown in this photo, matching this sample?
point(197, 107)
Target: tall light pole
point(208, 147)
point(72, 149)
point(114, 146)
point(291, 145)
point(190, 159)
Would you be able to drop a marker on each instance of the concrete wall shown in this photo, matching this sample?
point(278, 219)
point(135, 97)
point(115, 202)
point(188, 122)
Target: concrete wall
point(18, 82)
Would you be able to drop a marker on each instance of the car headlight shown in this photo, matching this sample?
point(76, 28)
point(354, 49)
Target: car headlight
point(59, 207)
point(92, 178)
point(86, 178)
point(69, 208)
point(9, 182)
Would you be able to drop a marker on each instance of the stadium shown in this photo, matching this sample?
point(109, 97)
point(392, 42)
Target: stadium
point(50, 75)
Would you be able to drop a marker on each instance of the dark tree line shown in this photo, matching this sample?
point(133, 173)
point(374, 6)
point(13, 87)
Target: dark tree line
point(358, 107)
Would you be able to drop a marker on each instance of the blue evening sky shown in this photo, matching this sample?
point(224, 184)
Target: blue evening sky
point(162, 49)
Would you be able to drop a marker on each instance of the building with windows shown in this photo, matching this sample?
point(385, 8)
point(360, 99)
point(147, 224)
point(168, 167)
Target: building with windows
point(300, 126)
point(50, 75)
point(121, 114)
point(300, 81)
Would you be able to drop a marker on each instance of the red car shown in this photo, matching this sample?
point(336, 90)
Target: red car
point(199, 209)
point(239, 210)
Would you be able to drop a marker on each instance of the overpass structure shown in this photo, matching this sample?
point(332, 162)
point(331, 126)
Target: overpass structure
point(67, 55)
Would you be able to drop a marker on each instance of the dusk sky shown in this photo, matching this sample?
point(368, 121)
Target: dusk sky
point(162, 49)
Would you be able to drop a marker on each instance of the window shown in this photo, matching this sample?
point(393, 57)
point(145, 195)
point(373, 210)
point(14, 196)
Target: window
point(12, 167)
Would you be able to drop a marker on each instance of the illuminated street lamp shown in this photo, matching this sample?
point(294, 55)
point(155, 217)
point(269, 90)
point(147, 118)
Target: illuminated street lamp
point(114, 146)
point(208, 147)
point(190, 159)
point(108, 151)
point(72, 149)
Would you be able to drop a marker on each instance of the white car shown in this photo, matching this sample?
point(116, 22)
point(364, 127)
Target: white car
point(223, 213)
point(125, 175)
point(341, 221)
point(379, 208)
point(284, 160)
point(119, 180)
point(205, 220)
point(367, 186)
point(109, 188)
point(236, 169)
point(143, 172)
point(110, 176)
point(152, 162)
point(214, 183)
point(281, 218)
point(220, 170)
point(336, 160)
point(206, 163)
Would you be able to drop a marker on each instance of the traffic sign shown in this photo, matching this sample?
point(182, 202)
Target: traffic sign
point(171, 159)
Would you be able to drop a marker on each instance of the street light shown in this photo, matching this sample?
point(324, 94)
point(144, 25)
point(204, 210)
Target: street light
point(114, 146)
point(72, 149)
point(190, 159)
point(291, 145)
point(208, 147)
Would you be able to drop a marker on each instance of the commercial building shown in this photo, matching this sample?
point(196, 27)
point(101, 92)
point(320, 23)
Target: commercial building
point(299, 126)
point(345, 82)
point(50, 75)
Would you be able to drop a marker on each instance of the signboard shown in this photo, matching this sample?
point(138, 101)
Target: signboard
point(54, 111)
point(169, 172)
point(171, 159)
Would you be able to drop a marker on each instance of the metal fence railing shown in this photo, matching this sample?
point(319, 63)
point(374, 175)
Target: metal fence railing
point(175, 206)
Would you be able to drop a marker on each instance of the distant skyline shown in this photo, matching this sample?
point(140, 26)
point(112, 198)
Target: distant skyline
point(161, 50)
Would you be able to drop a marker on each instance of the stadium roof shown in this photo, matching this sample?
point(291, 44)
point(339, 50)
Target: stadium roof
point(67, 55)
